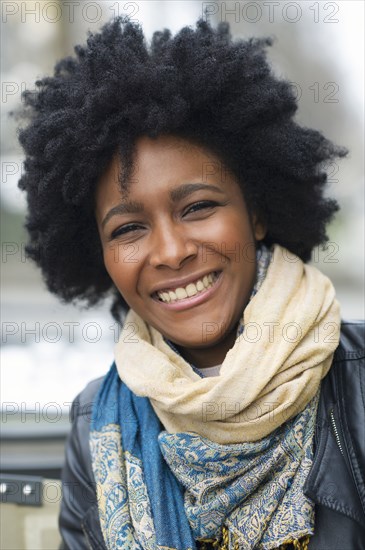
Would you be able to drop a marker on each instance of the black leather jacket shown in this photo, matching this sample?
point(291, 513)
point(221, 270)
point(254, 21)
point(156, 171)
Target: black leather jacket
point(336, 482)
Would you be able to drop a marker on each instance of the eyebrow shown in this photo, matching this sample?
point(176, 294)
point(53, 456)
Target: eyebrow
point(127, 207)
point(176, 195)
point(187, 189)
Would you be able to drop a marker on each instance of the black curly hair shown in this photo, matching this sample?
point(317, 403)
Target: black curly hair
point(199, 85)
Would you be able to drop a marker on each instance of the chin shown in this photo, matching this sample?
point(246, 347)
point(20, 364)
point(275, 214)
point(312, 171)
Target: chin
point(212, 336)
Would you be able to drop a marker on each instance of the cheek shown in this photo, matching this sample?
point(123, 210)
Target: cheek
point(232, 233)
point(121, 263)
point(240, 248)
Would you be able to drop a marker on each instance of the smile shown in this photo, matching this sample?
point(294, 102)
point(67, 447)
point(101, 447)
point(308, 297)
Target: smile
point(192, 289)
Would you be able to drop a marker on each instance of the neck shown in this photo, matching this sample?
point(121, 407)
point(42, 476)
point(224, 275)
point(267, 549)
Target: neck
point(209, 356)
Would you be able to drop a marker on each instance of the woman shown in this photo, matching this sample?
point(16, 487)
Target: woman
point(174, 177)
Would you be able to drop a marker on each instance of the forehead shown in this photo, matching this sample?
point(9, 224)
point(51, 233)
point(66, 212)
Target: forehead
point(166, 161)
point(170, 154)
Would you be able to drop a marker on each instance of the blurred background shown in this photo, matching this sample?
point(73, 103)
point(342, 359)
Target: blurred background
point(50, 350)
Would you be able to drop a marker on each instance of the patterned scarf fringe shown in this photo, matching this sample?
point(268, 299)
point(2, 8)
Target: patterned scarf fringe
point(224, 544)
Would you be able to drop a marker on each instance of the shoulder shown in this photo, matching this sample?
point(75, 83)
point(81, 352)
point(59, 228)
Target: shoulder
point(79, 520)
point(352, 341)
point(343, 396)
point(339, 440)
point(346, 377)
point(77, 446)
point(83, 402)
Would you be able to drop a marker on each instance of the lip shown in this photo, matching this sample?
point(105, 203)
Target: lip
point(192, 301)
point(176, 283)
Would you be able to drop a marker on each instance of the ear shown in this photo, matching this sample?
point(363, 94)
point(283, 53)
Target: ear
point(259, 228)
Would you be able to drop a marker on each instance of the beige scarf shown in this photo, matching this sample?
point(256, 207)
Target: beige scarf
point(292, 327)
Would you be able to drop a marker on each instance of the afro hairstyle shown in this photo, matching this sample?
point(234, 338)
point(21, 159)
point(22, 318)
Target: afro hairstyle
point(199, 85)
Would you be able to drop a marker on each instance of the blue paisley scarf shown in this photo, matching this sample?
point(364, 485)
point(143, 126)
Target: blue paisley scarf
point(160, 490)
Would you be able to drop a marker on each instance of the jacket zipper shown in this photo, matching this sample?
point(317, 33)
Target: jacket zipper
point(335, 431)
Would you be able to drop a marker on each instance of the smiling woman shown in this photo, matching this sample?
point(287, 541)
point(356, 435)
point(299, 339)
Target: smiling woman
point(174, 177)
point(191, 237)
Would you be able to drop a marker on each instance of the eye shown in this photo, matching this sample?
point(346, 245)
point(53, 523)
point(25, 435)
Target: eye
point(201, 205)
point(124, 229)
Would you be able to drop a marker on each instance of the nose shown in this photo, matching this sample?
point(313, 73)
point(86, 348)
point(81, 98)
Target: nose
point(171, 247)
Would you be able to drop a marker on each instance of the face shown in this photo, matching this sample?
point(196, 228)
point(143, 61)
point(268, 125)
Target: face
point(179, 243)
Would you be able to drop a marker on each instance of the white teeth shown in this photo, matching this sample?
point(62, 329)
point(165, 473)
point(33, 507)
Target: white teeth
point(166, 297)
point(190, 290)
point(199, 286)
point(181, 293)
